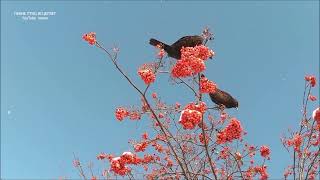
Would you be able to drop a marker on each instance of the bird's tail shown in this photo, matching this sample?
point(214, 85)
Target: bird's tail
point(155, 42)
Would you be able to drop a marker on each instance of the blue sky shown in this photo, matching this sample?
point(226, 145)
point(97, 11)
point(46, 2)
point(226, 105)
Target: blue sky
point(58, 94)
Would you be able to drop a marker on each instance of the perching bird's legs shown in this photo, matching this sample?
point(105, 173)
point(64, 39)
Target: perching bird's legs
point(221, 107)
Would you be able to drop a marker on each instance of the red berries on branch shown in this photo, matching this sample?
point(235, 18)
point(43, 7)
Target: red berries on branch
point(146, 73)
point(231, 132)
point(311, 79)
point(192, 61)
point(90, 38)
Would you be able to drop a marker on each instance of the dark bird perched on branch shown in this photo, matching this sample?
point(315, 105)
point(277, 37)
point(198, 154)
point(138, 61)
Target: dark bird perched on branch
point(174, 49)
point(223, 98)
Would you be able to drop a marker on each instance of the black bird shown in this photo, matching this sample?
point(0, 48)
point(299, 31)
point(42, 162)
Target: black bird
point(223, 98)
point(174, 49)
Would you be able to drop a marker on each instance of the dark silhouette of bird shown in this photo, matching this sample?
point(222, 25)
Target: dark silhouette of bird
point(174, 49)
point(223, 98)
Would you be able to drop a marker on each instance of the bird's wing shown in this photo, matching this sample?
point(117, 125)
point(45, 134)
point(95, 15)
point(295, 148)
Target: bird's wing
point(187, 41)
point(221, 97)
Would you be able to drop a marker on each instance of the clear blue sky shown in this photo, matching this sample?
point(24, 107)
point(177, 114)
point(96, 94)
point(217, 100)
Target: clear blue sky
point(58, 94)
